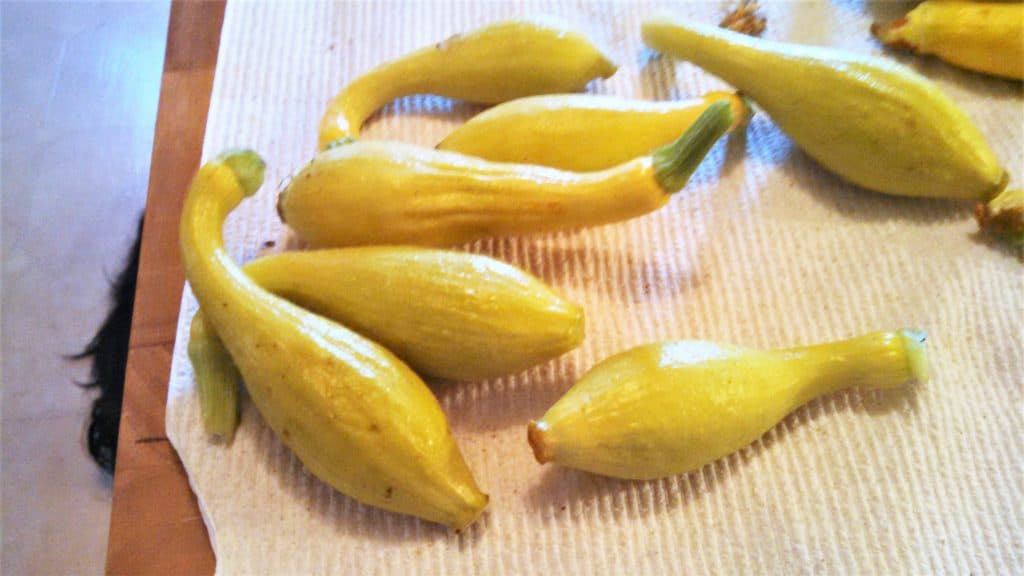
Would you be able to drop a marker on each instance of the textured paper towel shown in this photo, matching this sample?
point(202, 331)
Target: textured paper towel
point(762, 248)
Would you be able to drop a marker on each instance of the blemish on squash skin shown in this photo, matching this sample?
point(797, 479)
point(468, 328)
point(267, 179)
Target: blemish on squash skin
point(444, 44)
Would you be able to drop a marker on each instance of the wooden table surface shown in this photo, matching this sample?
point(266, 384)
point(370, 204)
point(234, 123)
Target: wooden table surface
point(155, 526)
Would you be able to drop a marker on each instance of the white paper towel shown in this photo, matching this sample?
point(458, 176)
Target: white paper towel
point(763, 248)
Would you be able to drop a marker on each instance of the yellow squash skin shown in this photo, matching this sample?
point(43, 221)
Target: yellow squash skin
point(447, 314)
point(364, 193)
point(394, 193)
point(499, 62)
point(871, 121)
point(355, 415)
point(668, 408)
point(580, 132)
point(981, 36)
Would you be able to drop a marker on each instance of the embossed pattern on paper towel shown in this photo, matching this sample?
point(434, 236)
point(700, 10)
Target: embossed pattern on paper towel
point(762, 249)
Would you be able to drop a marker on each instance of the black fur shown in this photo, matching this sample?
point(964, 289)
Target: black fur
point(109, 352)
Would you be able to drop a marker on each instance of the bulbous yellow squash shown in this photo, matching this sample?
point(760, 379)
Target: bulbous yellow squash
point(353, 413)
point(580, 132)
point(447, 314)
point(365, 193)
point(982, 36)
point(869, 120)
point(499, 62)
point(672, 407)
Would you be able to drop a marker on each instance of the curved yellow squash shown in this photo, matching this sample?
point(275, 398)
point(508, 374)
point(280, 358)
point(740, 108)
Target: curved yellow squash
point(499, 62)
point(669, 408)
point(364, 193)
point(981, 36)
point(449, 315)
point(355, 415)
point(869, 120)
point(580, 132)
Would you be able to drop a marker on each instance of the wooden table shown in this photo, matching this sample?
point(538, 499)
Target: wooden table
point(155, 526)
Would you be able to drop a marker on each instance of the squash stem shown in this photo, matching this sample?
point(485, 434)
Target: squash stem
point(674, 163)
point(1003, 216)
point(248, 168)
point(217, 380)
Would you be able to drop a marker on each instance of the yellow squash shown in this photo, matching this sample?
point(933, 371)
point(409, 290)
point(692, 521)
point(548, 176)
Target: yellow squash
point(449, 315)
point(871, 121)
point(580, 132)
point(391, 193)
point(353, 413)
point(672, 407)
point(982, 36)
point(499, 62)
